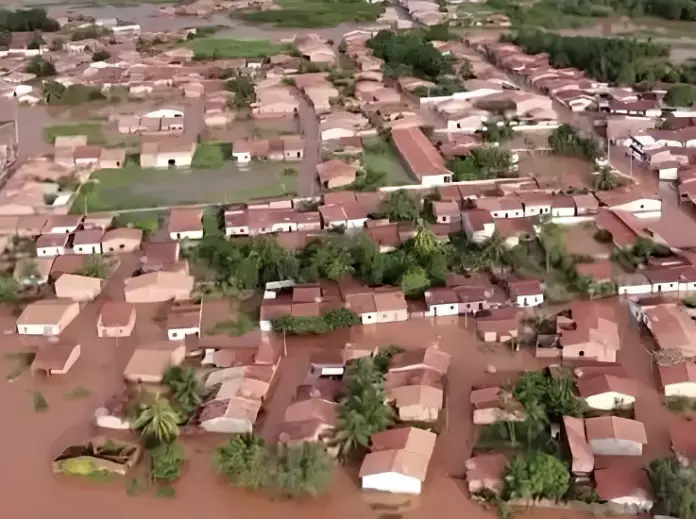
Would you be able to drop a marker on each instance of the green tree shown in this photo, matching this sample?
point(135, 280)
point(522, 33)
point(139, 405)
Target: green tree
point(605, 180)
point(304, 469)
point(399, 206)
point(185, 389)
point(165, 461)
point(498, 131)
point(53, 92)
point(95, 266)
point(627, 75)
point(244, 461)
point(565, 140)
point(8, 288)
point(482, 163)
point(681, 95)
point(101, 55)
point(674, 488)
point(40, 67)
point(158, 423)
point(243, 89)
point(494, 253)
point(425, 243)
point(537, 475)
point(414, 282)
point(340, 318)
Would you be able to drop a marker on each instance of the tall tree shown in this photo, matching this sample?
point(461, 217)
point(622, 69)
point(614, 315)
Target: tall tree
point(304, 469)
point(158, 422)
point(185, 389)
point(537, 475)
point(244, 460)
point(399, 206)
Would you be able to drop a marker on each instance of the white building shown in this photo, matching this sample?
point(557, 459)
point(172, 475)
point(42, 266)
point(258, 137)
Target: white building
point(679, 380)
point(607, 392)
point(615, 436)
point(51, 245)
point(626, 486)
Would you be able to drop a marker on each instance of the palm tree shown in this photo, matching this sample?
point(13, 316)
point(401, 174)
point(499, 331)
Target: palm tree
point(184, 389)
point(548, 231)
point(425, 242)
point(494, 252)
point(605, 180)
point(158, 422)
point(53, 91)
point(302, 469)
point(244, 460)
point(352, 431)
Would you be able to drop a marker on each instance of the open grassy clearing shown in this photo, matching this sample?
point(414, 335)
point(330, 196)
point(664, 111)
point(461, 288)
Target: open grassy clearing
point(93, 131)
point(315, 13)
point(133, 187)
point(228, 48)
point(380, 156)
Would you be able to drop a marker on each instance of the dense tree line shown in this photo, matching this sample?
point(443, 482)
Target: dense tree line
point(311, 325)
point(409, 54)
point(566, 140)
point(620, 60)
point(27, 20)
point(674, 488)
point(482, 163)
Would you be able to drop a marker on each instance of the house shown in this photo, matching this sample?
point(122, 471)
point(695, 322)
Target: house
point(125, 239)
point(183, 321)
point(162, 255)
point(158, 286)
point(50, 245)
point(253, 221)
point(446, 211)
point(78, 288)
point(525, 292)
point(116, 319)
point(582, 460)
point(378, 306)
point(615, 436)
point(607, 392)
point(678, 379)
point(55, 359)
point(431, 358)
point(441, 301)
point(335, 173)
point(493, 405)
point(185, 224)
point(625, 485)
point(632, 201)
point(672, 328)
point(417, 395)
point(167, 152)
point(48, 317)
point(498, 325)
point(62, 224)
point(420, 157)
point(589, 331)
point(478, 224)
point(486, 472)
point(234, 415)
point(88, 241)
point(148, 364)
point(501, 206)
point(398, 461)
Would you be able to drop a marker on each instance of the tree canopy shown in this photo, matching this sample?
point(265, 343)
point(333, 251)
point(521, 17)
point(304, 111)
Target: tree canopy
point(27, 20)
point(244, 461)
point(566, 140)
point(553, 394)
point(399, 206)
point(40, 67)
point(482, 163)
point(408, 54)
point(158, 423)
point(536, 475)
point(681, 95)
point(674, 488)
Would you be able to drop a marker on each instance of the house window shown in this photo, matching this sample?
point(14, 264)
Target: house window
point(581, 353)
point(171, 162)
point(175, 334)
point(451, 307)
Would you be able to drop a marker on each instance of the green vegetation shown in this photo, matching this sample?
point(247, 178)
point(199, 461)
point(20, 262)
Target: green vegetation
point(680, 404)
point(607, 59)
point(165, 462)
point(681, 95)
point(27, 20)
point(101, 55)
point(228, 48)
point(444, 87)
point(40, 67)
point(637, 256)
point(38, 401)
point(379, 158)
point(289, 472)
point(8, 288)
point(146, 221)
point(606, 180)
point(409, 54)
point(327, 322)
point(674, 488)
point(208, 155)
point(399, 206)
point(315, 13)
point(92, 130)
point(362, 411)
point(185, 390)
point(55, 93)
point(158, 423)
point(77, 393)
point(95, 266)
point(536, 475)
point(235, 327)
point(92, 32)
point(553, 397)
point(483, 163)
point(566, 140)
point(243, 89)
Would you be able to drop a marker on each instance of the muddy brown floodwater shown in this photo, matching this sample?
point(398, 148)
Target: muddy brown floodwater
point(30, 439)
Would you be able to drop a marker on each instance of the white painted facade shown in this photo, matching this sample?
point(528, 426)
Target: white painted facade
point(392, 482)
point(266, 326)
point(642, 208)
point(47, 330)
point(177, 334)
point(358, 223)
point(667, 173)
point(180, 160)
point(436, 180)
point(634, 290)
point(610, 400)
point(687, 389)
point(530, 300)
point(336, 133)
point(562, 212)
point(665, 287)
point(443, 309)
point(243, 157)
point(536, 209)
point(508, 213)
point(48, 252)
point(616, 447)
point(187, 235)
point(61, 230)
point(88, 248)
point(637, 501)
point(163, 113)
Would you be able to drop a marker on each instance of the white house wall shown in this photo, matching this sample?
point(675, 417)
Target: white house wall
point(616, 447)
point(392, 482)
point(687, 389)
point(610, 400)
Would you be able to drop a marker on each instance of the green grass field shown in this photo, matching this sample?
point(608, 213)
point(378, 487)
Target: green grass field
point(227, 48)
point(316, 13)
point(380, 156)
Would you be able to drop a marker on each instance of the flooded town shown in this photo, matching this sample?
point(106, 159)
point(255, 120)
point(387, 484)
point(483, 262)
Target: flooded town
point(353, 258)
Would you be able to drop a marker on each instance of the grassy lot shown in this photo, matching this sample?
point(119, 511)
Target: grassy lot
point(93, 131)
point(316, 13)
point(380, 156)
point(227, 48)
point(133, 187)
